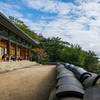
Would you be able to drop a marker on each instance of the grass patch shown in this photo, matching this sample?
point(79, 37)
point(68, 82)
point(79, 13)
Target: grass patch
point(53, 95)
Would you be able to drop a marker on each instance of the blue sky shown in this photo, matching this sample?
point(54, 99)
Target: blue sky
point(75, 21)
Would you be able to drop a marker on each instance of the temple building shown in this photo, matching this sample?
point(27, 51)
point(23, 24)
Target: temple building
point(14, 41)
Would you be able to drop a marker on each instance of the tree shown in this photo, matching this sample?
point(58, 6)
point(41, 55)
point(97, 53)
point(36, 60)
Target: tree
point(91, 60)
point(40, 55)
point(73, 55)
point(53, 47)
point(58, 50)
point(24, 27)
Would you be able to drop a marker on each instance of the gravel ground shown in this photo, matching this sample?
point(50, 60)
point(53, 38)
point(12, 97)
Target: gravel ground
point(34, 83)
point(13, 65)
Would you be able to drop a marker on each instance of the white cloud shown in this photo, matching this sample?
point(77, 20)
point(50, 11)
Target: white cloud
point(88, 39)
point(10, 10)
point(84, 30)
point(81, 27)
point(75, 31)
point(41, 4)
point(49, 6)
point(35, 26)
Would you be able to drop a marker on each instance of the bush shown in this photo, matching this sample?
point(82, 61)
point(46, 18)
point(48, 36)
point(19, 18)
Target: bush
point(40, 55)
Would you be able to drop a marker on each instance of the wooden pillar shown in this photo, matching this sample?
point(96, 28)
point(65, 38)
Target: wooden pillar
point(28, 53)
point(25, 53)
point(9, 44)
point(21, 51)
point(15, 51)
point(8, 47)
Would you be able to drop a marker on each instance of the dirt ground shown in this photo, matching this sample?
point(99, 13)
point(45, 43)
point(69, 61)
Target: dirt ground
point(33, 83)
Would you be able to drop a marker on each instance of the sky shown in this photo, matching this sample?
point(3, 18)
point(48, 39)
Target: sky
point(75, 21)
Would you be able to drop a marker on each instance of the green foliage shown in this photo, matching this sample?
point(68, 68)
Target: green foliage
point(53, 47)
point(73, 55)
point(91, 60)
point(58, 50)
point(97, 68)
point(53, 95)
point(24, 27)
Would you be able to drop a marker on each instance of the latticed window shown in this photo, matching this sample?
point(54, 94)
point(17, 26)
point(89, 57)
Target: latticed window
point(3, 51)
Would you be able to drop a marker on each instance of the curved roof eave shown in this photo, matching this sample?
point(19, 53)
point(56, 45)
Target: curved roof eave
point(20, 32)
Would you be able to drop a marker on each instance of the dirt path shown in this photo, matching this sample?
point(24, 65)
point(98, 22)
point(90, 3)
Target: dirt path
point(27, 84)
